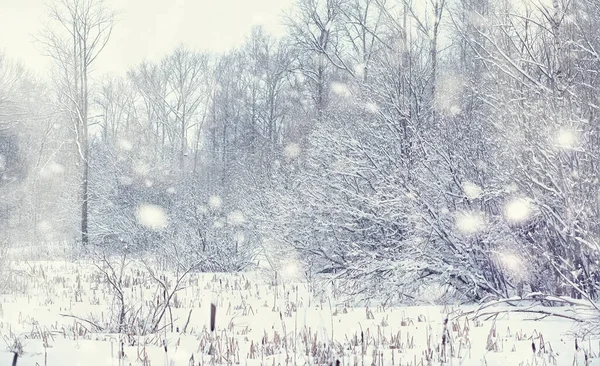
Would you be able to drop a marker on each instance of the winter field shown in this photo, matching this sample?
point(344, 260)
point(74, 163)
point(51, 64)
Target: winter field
point(66, 312)
point(440, 156)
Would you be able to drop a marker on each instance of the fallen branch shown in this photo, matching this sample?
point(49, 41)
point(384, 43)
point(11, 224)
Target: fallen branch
point(530, 298)
point(83, 320)
point(544, 314)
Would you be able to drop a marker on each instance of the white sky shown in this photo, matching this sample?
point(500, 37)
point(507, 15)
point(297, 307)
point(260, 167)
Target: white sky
point(148, 29)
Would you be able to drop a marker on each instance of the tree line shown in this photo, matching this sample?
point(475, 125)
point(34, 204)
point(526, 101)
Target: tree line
point(402, 145)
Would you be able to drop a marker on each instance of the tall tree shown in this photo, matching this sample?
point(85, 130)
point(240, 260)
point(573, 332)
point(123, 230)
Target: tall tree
point(315, 32)
point(77, 33)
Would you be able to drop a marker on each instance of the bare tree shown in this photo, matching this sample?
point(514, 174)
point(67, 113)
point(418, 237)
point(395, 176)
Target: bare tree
point(116, 100)
point(364, 19)
point(315, 32)
point(151, 83)
point(187, 72)
point(77, 33)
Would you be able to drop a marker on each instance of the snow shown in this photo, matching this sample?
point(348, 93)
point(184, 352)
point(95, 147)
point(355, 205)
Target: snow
point(518, 210)
point(566, 139)
point(340, 89)
point(447, 94)
point(260, 323)
point(215, 202)
point(239, 237)
point(292, 150)
point(52, 169)
point(359, 69)
point(125, 145)
point(372, 107)
point(469, 222)
point(141, 168)
point(125, 180)
point(152, 216)
point(513, 263)
point(291, 270)
point(236, 218)
point(299, 76)
point(464, 166)
point(511, 188)
point(46, 229)
point(454, 110)
point(472, 190)
point(478, 20)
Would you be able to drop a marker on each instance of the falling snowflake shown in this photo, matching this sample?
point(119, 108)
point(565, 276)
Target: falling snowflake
point(239, 237)
point(215, 202)
point(447, 94)
point(292, 150)
point(276, 164)
point(299, 76)
point(236, 218)
point(151, 216)
point(171, 190)
point(566, 139)
point(411, 196)
point(512, 263)
point(469, 223)
point(46, 229)
point(454, 110)
point(125, 145)
point(125, 180)
point(291, 269)
point(372, 107)
point(52, 169)
point(44, 226)
point(2, 163)
point(359, 69)
point(472, 190)
point(478, 20)
point(518, 210)
point(340, 89)
point(141, 168)
point(481, 165)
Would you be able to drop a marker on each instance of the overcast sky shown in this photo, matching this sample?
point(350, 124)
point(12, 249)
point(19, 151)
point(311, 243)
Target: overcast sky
point(146, 29)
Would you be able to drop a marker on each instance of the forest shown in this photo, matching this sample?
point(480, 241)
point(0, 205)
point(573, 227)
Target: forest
point(409, 149)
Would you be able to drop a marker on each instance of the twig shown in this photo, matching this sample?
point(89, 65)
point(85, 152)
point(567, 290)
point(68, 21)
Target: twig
point(534, 298)
point(529, 311)
point(83, 320)
point(187, 322)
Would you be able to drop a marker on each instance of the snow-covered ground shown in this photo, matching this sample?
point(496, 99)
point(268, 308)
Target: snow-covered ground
point(64, 313)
